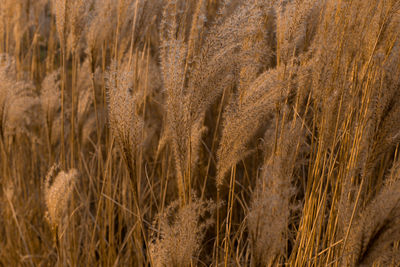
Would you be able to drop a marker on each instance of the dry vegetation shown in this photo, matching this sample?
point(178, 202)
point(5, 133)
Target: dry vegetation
point(199, 133)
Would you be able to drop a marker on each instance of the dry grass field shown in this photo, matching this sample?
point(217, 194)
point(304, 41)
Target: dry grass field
point(199, 133)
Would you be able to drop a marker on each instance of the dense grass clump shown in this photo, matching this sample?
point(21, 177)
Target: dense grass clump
point(199, 133)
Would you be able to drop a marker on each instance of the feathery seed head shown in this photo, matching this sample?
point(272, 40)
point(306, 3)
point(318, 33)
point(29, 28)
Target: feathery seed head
point(181, 232)
point(124, 121)
point(58, 189)
point(18, 102)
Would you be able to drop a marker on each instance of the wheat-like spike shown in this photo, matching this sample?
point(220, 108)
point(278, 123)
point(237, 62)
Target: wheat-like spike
point(296, 27)
point(60, 9)
point(218, 64)
point(78, 11)
point(241, 122)
point(125, 124)
point(20, 111)
point(99, 25)
point(271, 205)
point(58, 188)
point(84, 91)
point(181, 233)
point(50, 95)
point(85, 114)
point(173, 56)
point(18, 102)
point(256, 46)
point(377, 226)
